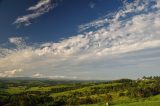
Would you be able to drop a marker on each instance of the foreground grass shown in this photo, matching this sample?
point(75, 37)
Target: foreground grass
point(146, 103)
point(125, 101)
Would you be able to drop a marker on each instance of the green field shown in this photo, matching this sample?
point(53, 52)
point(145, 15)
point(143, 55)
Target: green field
point(43, 92)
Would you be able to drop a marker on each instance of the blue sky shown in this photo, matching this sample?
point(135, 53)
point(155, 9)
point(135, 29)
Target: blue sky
point(79, 39)
point(60, 22)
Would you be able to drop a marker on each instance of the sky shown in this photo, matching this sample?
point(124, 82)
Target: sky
point(80, 39)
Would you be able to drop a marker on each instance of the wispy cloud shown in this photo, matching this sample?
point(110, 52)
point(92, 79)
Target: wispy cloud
point(102, 49)
point(92, 4)
point(42, 7)
point(134, 8)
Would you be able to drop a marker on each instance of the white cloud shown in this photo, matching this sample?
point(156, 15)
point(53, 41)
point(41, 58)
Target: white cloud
point(129, 8)
point(37, 75)
point(157, 4)
point(42, 7)
point(92, 4)
point(11, 73)
point(84, 54)
point(18, 41)
point(39, 5)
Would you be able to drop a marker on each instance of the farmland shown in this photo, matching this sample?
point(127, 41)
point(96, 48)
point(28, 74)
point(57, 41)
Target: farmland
point(46, 92)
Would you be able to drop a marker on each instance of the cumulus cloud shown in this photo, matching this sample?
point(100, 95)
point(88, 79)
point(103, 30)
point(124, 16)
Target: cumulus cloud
point(92, 53)
point(42, 7)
